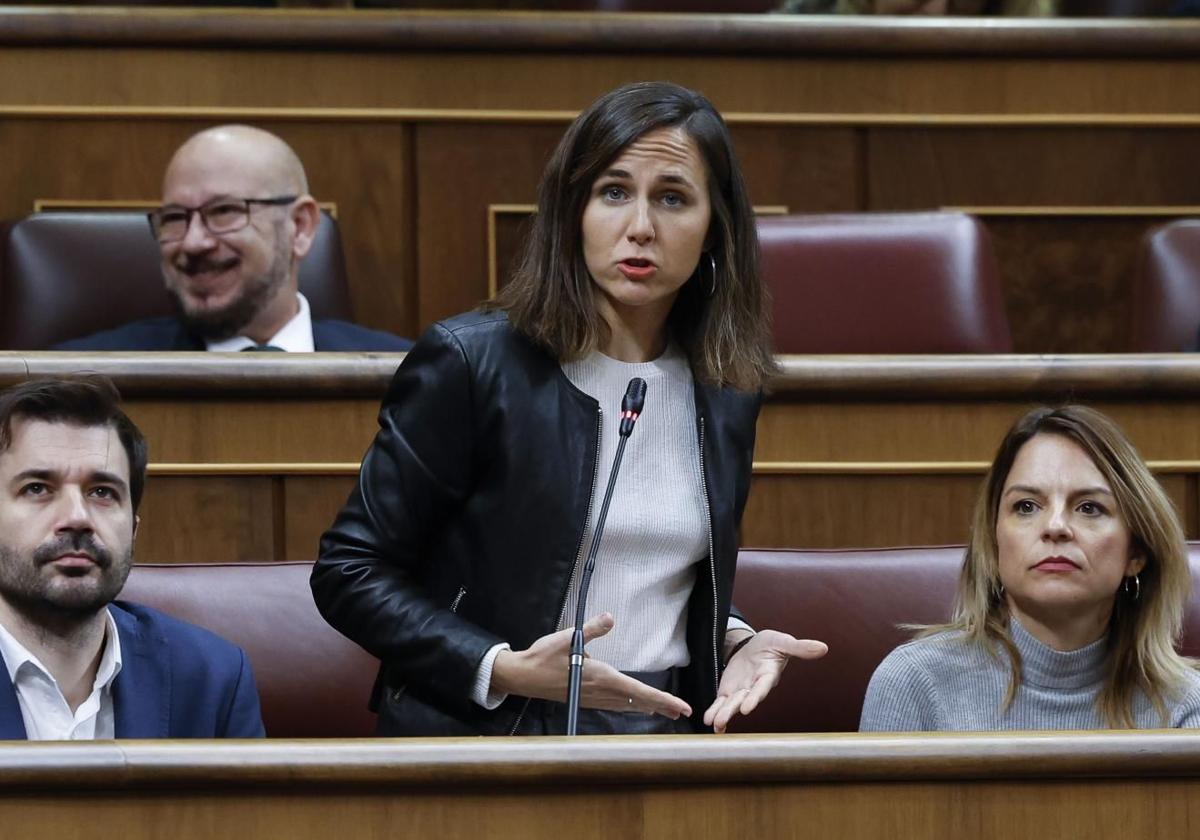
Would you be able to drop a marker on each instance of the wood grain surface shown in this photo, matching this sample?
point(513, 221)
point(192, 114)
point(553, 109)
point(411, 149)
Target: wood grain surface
point(252, 458)
point(413, 123)
point(1014, 785)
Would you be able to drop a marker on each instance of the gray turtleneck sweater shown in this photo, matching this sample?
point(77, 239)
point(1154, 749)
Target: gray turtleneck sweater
point(943, 683)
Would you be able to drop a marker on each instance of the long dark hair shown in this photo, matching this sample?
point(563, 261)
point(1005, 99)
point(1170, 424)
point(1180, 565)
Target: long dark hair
point(726, 335)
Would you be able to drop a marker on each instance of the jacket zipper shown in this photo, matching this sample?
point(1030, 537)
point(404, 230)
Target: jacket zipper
point(712, 563)
point(562, 610)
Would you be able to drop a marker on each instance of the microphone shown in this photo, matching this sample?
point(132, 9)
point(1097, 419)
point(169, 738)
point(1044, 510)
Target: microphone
point(631, 409)
point(631, 405)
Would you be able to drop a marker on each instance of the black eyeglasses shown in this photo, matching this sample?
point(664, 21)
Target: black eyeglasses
point(225, 215)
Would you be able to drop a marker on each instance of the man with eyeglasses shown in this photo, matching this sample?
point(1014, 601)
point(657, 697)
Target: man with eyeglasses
point(235, 223)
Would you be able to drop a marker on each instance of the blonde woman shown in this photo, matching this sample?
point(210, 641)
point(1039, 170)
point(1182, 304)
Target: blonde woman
point(1071, 597)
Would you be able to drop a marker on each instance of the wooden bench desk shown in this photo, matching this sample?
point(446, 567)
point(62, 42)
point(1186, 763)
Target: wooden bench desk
point(940, 787)
point(251, 458)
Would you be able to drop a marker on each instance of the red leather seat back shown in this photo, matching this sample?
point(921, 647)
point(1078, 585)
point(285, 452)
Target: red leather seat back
point(70, 274)
point(883, 283)
point(854, 601)
point(313, 682)
point(1166, 297)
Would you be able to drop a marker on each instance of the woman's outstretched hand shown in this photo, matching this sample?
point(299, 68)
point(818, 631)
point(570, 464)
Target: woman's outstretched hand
point(753, 672)
point(541, 671)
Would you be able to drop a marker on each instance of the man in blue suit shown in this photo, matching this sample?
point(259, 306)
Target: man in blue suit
point(78, 665)
point(235, 222)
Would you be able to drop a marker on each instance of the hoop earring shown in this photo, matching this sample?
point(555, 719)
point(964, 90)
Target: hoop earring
point(712, 274)
point(1137, 587)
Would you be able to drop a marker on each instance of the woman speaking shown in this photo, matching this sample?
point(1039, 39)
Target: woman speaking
point(457, 558)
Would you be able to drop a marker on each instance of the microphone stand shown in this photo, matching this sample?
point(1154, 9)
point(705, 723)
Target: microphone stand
point(631, 408)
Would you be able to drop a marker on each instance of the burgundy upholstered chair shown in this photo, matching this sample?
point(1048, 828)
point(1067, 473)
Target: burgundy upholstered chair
point(883, 283)
point(1166, 296)
point(312, 681)
point(68, 274)
point(855, 601)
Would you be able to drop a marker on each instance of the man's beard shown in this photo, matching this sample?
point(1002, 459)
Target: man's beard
point(58, 600)
point(220, 324)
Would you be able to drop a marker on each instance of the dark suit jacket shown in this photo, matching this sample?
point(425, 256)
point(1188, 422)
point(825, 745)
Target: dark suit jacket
point(169, 334)
point(176, 681)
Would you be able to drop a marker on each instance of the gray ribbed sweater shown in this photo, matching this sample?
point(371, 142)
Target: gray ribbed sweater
point(657, 528)
point(942, 683)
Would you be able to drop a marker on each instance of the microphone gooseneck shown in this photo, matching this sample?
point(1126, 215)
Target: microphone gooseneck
point(631, 409)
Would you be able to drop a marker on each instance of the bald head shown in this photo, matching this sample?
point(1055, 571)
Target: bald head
point(235, 160)
point(242, 278)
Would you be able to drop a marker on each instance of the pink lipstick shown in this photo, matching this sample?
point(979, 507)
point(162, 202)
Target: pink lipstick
point(636, 269)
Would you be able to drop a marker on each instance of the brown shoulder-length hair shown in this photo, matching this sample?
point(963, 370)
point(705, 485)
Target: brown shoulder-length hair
point(727, 335)
point(1146, 620)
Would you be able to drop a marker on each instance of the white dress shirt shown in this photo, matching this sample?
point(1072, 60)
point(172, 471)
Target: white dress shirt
point(296, 336)
point(47, 715)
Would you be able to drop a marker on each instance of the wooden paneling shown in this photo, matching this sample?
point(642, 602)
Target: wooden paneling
point(510, 227)
point(1067, 278)
point(1068, 281)
point(254, 431)
point(1050, 809)
point(250, 518)
point(892, 430)
point(884, 509)
point(1000, 811)
point(1046, 166)
point(953, 429)
point(837, 511)
point(309, 505)
point(366, 170)
point(805, 169)
point(461, 170)
point(221, 516)
point(412, 124)
point(251, 459)
point(944, 786)
point(208, 519)
point(498, 78)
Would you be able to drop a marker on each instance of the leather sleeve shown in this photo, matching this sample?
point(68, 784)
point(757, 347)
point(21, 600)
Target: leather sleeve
point(377, 579)
point(743, 487)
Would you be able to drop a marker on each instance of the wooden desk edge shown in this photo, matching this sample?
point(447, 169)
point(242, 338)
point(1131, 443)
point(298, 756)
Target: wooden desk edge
point(526, 32)
point(521, 762)
point(366, 375)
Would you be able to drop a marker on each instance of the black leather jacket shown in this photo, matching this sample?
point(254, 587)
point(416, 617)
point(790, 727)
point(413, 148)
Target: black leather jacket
point(469, 515)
